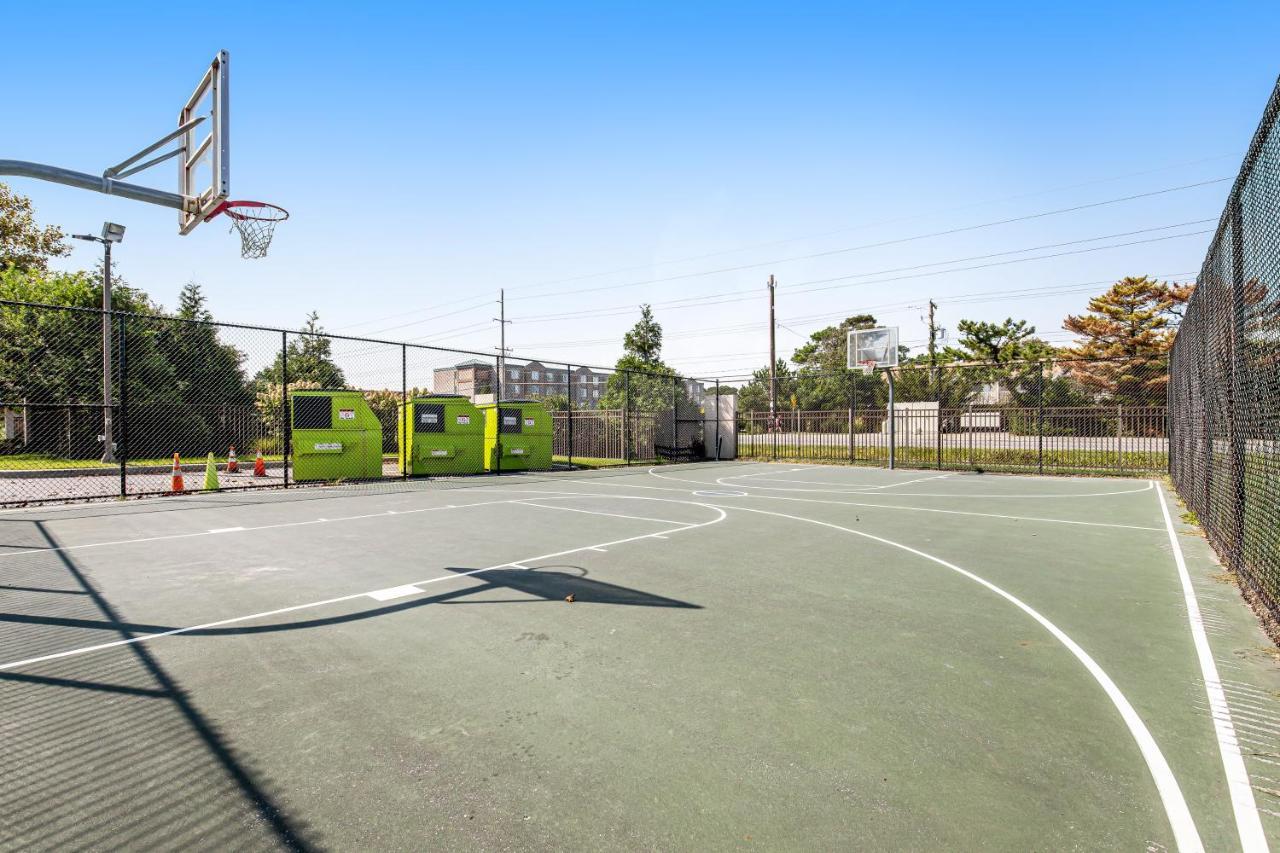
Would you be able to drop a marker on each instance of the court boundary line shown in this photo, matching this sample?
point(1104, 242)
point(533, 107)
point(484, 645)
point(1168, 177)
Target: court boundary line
point(895, 506)
point(1186, 836)
point(599, 546)
point(1243, 805)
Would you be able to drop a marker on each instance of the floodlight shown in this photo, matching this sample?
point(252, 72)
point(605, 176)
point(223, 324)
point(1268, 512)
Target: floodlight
point(112, 232)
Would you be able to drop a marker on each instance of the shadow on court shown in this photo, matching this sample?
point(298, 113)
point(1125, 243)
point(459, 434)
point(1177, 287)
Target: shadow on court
point(107, 750)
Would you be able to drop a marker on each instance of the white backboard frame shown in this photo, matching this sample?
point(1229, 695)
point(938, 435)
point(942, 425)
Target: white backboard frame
point(878, 345)
point(210, 140)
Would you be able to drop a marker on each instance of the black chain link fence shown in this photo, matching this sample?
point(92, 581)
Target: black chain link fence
point(192, 405)
point(1224, 392)
point(1068, 416)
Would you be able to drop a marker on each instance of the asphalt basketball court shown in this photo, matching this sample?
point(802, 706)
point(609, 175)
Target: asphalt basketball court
point(772, 656)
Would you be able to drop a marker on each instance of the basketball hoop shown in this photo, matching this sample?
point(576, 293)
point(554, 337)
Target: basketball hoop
point(867, 366)
point(255, 220)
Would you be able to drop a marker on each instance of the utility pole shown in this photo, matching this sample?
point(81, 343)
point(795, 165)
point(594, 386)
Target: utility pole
point(933, 335)
point(502, 322)
point(773, 359)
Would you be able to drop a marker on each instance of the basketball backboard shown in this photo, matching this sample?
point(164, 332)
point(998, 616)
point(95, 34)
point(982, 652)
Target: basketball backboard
point(872, 348)
point(204, 164)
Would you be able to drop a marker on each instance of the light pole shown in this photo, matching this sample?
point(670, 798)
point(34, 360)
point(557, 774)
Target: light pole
point(111, 233)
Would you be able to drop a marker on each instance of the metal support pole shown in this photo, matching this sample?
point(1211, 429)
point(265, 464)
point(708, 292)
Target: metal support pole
point(123, 448)
point(1119, 433)
point(853, 397)
point(286, 431)
point(675, 424)
point(1239, 392)
point(938, 429)
point(1040, 421)
point(568, 383)
point(717, 420)
point(893, 420)
point(405, 425)
point(108, 438)
point(497, 401)
point(626, 408)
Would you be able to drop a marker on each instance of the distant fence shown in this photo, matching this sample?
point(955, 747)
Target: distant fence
point(1056, 417)
point(1224, 394)
point(192, 387)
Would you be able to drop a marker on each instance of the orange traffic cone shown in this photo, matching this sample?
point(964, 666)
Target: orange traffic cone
point(259, 466)
point(176, 487)
point(233, 467)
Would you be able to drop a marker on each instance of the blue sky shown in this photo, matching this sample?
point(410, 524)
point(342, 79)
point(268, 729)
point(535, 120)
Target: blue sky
point(577, 153)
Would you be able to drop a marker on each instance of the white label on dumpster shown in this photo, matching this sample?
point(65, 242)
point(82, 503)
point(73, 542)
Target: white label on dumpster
point(439, 453)
point(430, 418)
point(528, 421)
point(329, 445)
point(508, 421)
point(464, 419)
point(517, 451)
point(346, 414)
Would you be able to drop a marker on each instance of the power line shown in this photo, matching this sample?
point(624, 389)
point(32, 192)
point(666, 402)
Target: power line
point(698, 301)
point(863, 226)
point(882, 243)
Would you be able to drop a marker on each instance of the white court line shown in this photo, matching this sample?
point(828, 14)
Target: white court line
point(393, 592)
point(909, 482)
point(285, 524)
point(898, 507)
point(1175, 805)
point(1248, 823)
point(128, 641)
point(960, 495)
point(529, 502)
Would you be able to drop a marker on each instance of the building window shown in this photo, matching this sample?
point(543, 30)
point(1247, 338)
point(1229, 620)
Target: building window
point(582, 393)
point(533, 374)
point(596, 394)
point(515, 374)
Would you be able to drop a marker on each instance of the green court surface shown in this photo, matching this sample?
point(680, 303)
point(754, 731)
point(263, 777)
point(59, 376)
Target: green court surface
point(756, 657)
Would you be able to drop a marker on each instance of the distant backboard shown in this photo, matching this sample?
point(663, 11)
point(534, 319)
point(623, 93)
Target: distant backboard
point(204, 164)
point(872, 348)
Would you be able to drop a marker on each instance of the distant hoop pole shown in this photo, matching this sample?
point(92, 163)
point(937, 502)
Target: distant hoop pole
point(95, 183)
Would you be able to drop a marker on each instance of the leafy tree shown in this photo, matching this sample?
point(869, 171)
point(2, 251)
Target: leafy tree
point(754, 395)
point(24, 245)
point(644, 341)
point(209, 372)
point(1125, 338)
point(55, 356)
point(641, 380)
point(1011, 340)
point(310, 360)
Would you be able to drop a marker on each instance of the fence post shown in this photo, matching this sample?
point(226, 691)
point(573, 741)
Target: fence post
point(626, 410)
point(496, 387)
point(403, 414)
point(675, 423)
point(853, 399)
point(717, 420)
point(122, 447)
point(1235, 434)
point(286, 434)
point(893, 424)
point(1040, 421)
point(568, 412)
point(938, 429)
point(1119, 433)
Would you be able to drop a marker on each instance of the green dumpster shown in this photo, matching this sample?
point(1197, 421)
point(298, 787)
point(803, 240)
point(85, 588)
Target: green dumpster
point(445, 436)
point(522, 441)
point(336, 436)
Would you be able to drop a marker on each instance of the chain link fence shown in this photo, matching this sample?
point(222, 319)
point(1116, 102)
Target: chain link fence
point(1053, 417)
point(1224, 394)
point(225, 406)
